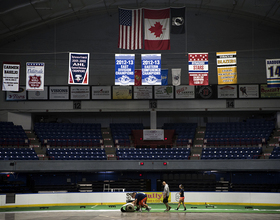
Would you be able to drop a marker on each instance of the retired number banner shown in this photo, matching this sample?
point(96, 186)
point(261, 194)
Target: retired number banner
point(35, 76)
point(124, 69)
point(227, 69)
point(198, 69)
point(78, 68)
point(11, 77)
point(273, 72)
point(151, 69)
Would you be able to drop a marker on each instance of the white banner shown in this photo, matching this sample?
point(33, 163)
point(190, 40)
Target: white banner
point(248, 91)
point(143, 92)
point(11, 73)
point(176, 77)
point(35, 76)
point(227, 91)
point(163, 92)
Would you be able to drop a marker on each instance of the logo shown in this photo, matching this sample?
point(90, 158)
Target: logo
point(177, 21)
point(78, 78)
point(34, 81)
point(205, 92)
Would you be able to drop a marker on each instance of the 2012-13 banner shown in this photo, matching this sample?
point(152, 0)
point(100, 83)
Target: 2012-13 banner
point(124, 69)
point(151, 69)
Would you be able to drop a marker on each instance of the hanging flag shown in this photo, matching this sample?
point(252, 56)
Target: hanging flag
point(151, 69)
point(35, 76)
point(164, 77)
point(124, 69)
point(78, 68)
point(198, 69)
point(227, 69)
point(273, 72)
point(130, 29)
point(11, 73)
point(157, 33)
point(177, 20)
point(138, 77)
point(176, 77)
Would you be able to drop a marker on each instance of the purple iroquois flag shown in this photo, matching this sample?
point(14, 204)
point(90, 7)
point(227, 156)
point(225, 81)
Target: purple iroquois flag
point(130, 29)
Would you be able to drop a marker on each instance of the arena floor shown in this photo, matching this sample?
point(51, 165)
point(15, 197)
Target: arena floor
point(99, 212)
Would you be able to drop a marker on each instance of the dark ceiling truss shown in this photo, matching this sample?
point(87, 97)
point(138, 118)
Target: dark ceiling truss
point(19, 16)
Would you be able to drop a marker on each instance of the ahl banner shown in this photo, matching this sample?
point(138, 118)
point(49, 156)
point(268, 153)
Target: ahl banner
point(176, 77)
point(198, 69)
point(273, 72)
point(227, 75)
point(35, 76)
point(78, 68)
point(11, 73)
point(151, 69)
point(124, 69)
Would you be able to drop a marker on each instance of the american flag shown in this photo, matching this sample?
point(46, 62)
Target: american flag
point(130, 29)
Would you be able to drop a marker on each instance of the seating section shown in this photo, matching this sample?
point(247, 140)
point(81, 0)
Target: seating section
point(231, 153)
point(18, 154)
point(66, 134)
point(12, 135)
point(153, 153)
point(185, 132)
point(121, 132)
point(275, 154)
point(76, 154)
point(249, 133)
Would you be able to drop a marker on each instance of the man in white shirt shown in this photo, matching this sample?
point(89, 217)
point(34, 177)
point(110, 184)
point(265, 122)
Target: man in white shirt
point(166, 193)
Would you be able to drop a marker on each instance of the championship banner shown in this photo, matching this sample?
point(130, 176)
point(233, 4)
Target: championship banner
point(226, 70)
point(273, 72)
point(227, 75)
point(137, 77)
point(11, 73)
point(151, 69)
point(164, 77)
point(78, 68)
point(176, 77)
point(35, 76)
point(198, 69)
point(124, 69)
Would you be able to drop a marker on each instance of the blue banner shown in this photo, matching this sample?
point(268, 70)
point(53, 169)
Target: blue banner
point(164, 77)
point(78, 68)
point(124, 69)
point(151, 69)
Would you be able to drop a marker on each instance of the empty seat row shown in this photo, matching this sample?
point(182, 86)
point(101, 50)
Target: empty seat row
point(153, 157)
point(78, 157)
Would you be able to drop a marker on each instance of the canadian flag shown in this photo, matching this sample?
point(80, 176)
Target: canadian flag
point(157, 32)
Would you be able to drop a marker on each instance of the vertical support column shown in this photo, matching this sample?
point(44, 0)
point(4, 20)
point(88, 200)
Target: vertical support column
point(278, 119)
point(153, 119)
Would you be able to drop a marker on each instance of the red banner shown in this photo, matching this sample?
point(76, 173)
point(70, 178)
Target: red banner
point(137, 77)
point(198, 69)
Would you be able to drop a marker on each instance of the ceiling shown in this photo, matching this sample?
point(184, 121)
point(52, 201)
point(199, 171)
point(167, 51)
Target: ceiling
point(17, 16)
